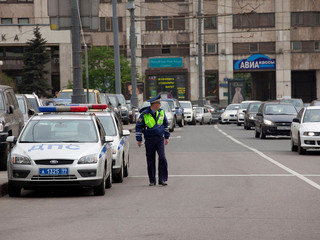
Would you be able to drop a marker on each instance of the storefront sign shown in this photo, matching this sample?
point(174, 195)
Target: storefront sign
point(165, 62)
point(255, 62)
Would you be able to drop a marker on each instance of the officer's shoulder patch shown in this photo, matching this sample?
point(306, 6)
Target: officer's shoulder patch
point(140, 119)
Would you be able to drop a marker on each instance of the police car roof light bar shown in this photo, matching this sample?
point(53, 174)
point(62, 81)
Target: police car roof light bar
point(91, 106)
point(64, 109)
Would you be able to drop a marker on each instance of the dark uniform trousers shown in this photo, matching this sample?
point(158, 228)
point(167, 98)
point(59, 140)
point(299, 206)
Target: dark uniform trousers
point(153, 145)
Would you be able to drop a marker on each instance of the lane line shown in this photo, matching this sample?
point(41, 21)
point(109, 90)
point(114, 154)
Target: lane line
point(234, 175)
point(298, 175)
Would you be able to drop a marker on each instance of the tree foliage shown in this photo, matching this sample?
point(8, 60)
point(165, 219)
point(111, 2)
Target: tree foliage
point(34, 58)
point(101, 69)
point(5, 80)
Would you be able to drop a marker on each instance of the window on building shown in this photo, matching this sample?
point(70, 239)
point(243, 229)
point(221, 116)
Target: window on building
point(210, 48)
point(212, 86)
point(297, 46)
point(296, 18)
point(165, 49)
point(210, 22)
point(164, 23)
point(253, 20)
point(23, 20)
point(106, 24)
point(6, 20)
point(317, 45)
point(316, 18)
point(14, 52)
point(29, 1)
point(254, 47)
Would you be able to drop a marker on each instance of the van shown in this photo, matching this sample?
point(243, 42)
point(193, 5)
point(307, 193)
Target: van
point(94, 95)
point(11, 121)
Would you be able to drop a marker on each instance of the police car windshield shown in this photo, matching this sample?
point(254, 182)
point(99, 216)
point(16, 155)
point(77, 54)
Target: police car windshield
point(59, 131)
point(108, 125)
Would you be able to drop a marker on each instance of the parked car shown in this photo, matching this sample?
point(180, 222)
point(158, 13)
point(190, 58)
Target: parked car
point(116, 104)
point(250, 115)
point(94, 95)
point(189, 112)
point(106, 100)
point(240, 112)
point(168, 112)
point(62, 101)
point(297, 102)
point(60, 149)
point(176, 109)
point(305, 129)
point(132, 111)
point(120, 144)
point(230, 114)
point(124, 109)
point(274, 118)
point(34, 101)
point(25, 107)
point(203, 115)
point(11, 121)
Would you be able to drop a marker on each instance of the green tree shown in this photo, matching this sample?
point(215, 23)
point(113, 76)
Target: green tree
point(101, 69)
point(5, 80)
point(34, 59)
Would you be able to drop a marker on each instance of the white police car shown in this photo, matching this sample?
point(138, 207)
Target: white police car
point(58, 149)
point(120, 145)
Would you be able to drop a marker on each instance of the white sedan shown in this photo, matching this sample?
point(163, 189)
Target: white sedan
point(230, 114)
point(203, 115)
point(305, 130)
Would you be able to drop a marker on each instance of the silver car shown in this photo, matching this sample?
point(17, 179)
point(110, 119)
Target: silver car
point(59, 149)
point(168, 112)
point(120, 145)
point(203, 115)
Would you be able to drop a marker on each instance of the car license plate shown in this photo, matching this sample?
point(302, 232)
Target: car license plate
point(53, 171)
point(283, 127)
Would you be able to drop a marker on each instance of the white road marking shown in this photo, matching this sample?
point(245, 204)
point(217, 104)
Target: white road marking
point(175, 137)
point(302, 177)
point(236, 175)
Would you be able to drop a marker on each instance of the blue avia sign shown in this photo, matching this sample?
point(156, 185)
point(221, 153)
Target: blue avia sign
point(254, 62)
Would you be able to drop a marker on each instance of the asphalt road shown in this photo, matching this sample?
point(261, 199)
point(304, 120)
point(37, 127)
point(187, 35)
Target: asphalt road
point(223, 184)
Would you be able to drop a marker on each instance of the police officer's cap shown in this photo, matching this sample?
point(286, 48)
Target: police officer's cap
point(155, 99)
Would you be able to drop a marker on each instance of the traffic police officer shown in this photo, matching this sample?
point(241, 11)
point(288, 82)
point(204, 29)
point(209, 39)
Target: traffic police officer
point(153, 124)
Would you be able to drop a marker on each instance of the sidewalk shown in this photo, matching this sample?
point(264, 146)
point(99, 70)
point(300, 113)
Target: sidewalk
point(4, 175)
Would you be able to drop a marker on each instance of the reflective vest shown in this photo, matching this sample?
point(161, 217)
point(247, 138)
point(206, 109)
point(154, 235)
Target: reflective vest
point(150, 121)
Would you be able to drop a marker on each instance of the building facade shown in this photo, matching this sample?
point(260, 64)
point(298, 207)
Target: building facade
point(273, 44)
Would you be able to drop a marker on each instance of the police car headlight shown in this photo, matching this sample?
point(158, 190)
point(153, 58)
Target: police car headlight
point(19, 159)
point(89, 159)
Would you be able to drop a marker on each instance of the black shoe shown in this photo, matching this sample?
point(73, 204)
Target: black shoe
point(163, 183)
point(152, 184)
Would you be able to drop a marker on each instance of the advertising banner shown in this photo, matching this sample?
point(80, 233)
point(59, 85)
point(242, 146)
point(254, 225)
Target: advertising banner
point(255, 62)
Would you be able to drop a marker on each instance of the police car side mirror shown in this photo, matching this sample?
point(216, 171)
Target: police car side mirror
point(108, 139)
point(11, 139)
point(31, 111)
point(125, 132)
